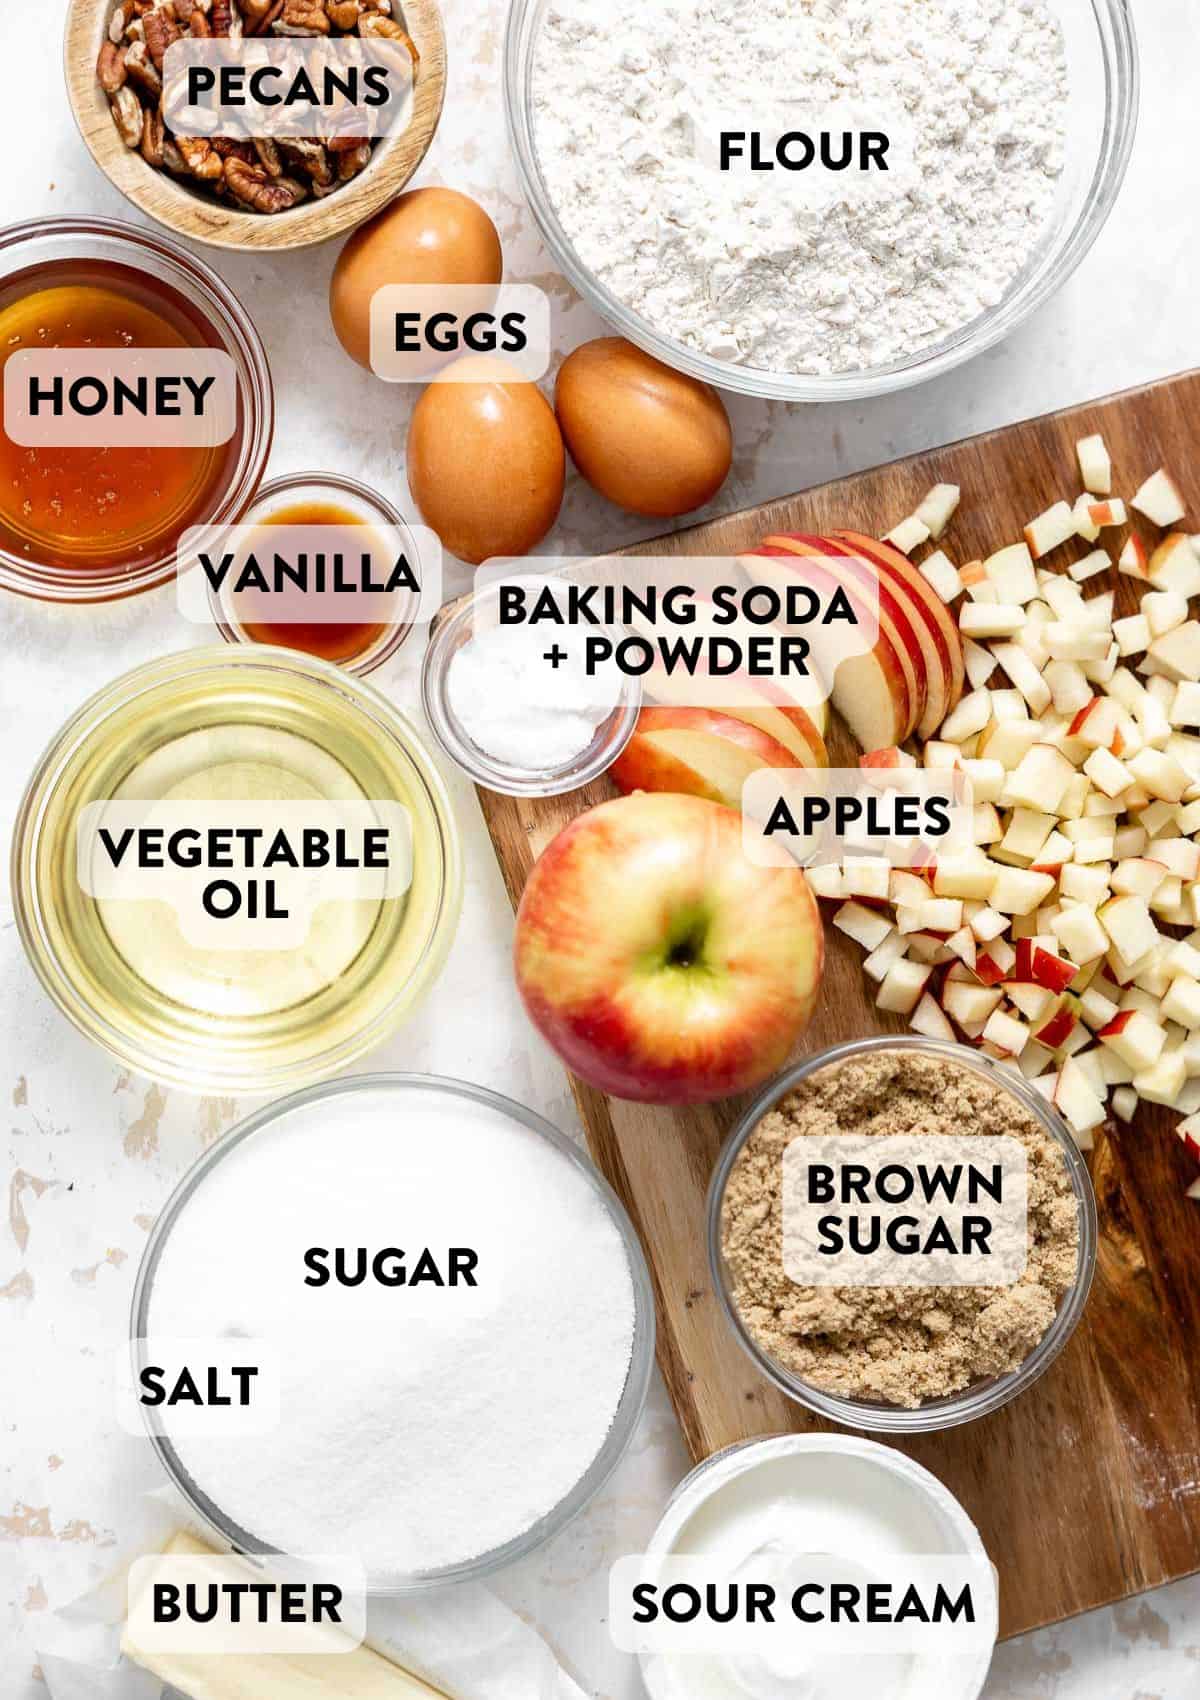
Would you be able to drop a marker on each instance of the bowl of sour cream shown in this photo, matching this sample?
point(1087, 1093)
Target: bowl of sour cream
point(872, 1582)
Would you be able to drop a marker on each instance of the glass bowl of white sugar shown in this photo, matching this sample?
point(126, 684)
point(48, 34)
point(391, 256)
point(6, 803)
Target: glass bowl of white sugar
point(820, 203)
point(520, 707)
point(448, 1312)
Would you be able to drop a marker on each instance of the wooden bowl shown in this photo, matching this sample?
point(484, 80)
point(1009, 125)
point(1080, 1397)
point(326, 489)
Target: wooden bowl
point(197, 216)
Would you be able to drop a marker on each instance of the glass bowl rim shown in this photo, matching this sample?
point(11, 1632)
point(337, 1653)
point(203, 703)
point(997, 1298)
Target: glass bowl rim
point(641, 1365)
point(978, 1399)
point(83, 723)
point(208, 292)
point(1114, 24)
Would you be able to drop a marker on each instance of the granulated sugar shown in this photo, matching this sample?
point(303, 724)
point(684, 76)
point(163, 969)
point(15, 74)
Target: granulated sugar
point(421, 1426)
point(759, 272)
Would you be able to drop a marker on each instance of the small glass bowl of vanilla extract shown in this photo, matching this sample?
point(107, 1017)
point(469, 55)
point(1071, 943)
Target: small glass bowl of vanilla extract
point(310, 619)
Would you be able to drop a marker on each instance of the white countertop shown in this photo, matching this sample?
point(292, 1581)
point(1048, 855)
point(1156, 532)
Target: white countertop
point(91, 1152)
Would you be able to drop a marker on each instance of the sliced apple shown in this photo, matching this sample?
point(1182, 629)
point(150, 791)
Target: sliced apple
point(861, 584)
point(696, 752)
point(939, 621)
point(870, 691)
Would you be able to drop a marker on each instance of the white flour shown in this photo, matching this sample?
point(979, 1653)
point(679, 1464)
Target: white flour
point(420, 1427)
point(759, 272)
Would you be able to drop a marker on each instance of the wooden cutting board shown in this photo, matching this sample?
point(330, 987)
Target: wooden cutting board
point(1087, 1489)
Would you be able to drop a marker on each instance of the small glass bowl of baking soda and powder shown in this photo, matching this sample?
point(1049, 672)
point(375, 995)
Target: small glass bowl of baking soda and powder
point(519, 705)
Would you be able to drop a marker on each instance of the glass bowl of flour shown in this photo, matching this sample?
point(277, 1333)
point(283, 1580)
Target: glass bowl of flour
point(450, 1317)
point(811, 201)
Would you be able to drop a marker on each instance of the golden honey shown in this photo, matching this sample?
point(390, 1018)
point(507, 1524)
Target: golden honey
point(101, 507)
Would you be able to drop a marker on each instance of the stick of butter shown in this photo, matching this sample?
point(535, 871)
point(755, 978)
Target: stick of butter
point(357, 1675)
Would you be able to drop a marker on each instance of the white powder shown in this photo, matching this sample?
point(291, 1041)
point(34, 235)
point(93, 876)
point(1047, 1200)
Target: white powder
point(519, 707)
point(420, 1427)
point(759, 272)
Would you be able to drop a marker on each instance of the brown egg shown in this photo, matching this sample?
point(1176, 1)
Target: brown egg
point(651, 440)
point(424, 236)
point(485, 460)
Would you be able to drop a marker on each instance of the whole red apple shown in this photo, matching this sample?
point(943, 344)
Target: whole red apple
point(659, 962)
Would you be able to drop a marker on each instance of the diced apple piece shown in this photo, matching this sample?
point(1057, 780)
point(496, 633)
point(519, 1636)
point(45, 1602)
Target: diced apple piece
point(1135, 1038)
point(1125, 1102)
point(1085, 526)
point(1160, 774)
point(1080, 934)
point(902, 987)
point(1179, 856)
point(909, 535)
point(890, 757)
point(867, 927)
point(1107, 773)
point(1159, 499)
point(1099, 561)
point(965, 874)
point(937, 508)
point(1106, 514)
point(1129, 925)
point(906, 889)
point(1049, 530)
point(866, 876)
point(1175, 565)
point(1138, 876)
point(929, 1020)
point(1096, 1009)
point(884, 957)
point(1019, 891)
point(1095, 465)
point(1133, 560)
point(1024, 675)
point(1054, 854)
point(963, 945)
point(987, 780)
point(1039, 780)
point(1095, 725)
point(940, 573)
point(826, 880)
point(1028, 830)
point(1177, 652)
point(1085, 885)
point(1163, 1081)
point(991, 619)
point(1011, 571)
point(1185, 704)
point(1034, 1002)
point(1132, 635)
point(968, 1004)
point(1006, 1033)
point(1164, 610)
point(1181, 1001)
point(939, 914)
point(1070, 641)
point(971, 716)
point(995, 963)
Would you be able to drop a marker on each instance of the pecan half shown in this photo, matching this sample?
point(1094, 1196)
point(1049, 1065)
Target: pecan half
point(161, 31)
point(153, 136)
point(172, 159)
point(350, 164)
point(116, 26)
point(262, 23)
point(127, 110)
point(110, 68)
point(344, 14)
point(268, 156)
point(302, 17)
point(254, 188)
point(221, 17)
point(309, 155)
point(140, 71)
point(199, 157)
point(198, 24)
point(375, 25)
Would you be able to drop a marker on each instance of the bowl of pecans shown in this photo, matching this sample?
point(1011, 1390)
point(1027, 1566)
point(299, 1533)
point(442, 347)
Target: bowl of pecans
point(251, 194)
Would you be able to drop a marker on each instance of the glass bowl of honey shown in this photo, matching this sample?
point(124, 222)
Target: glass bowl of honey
point(339, 523)
point(91, 522)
